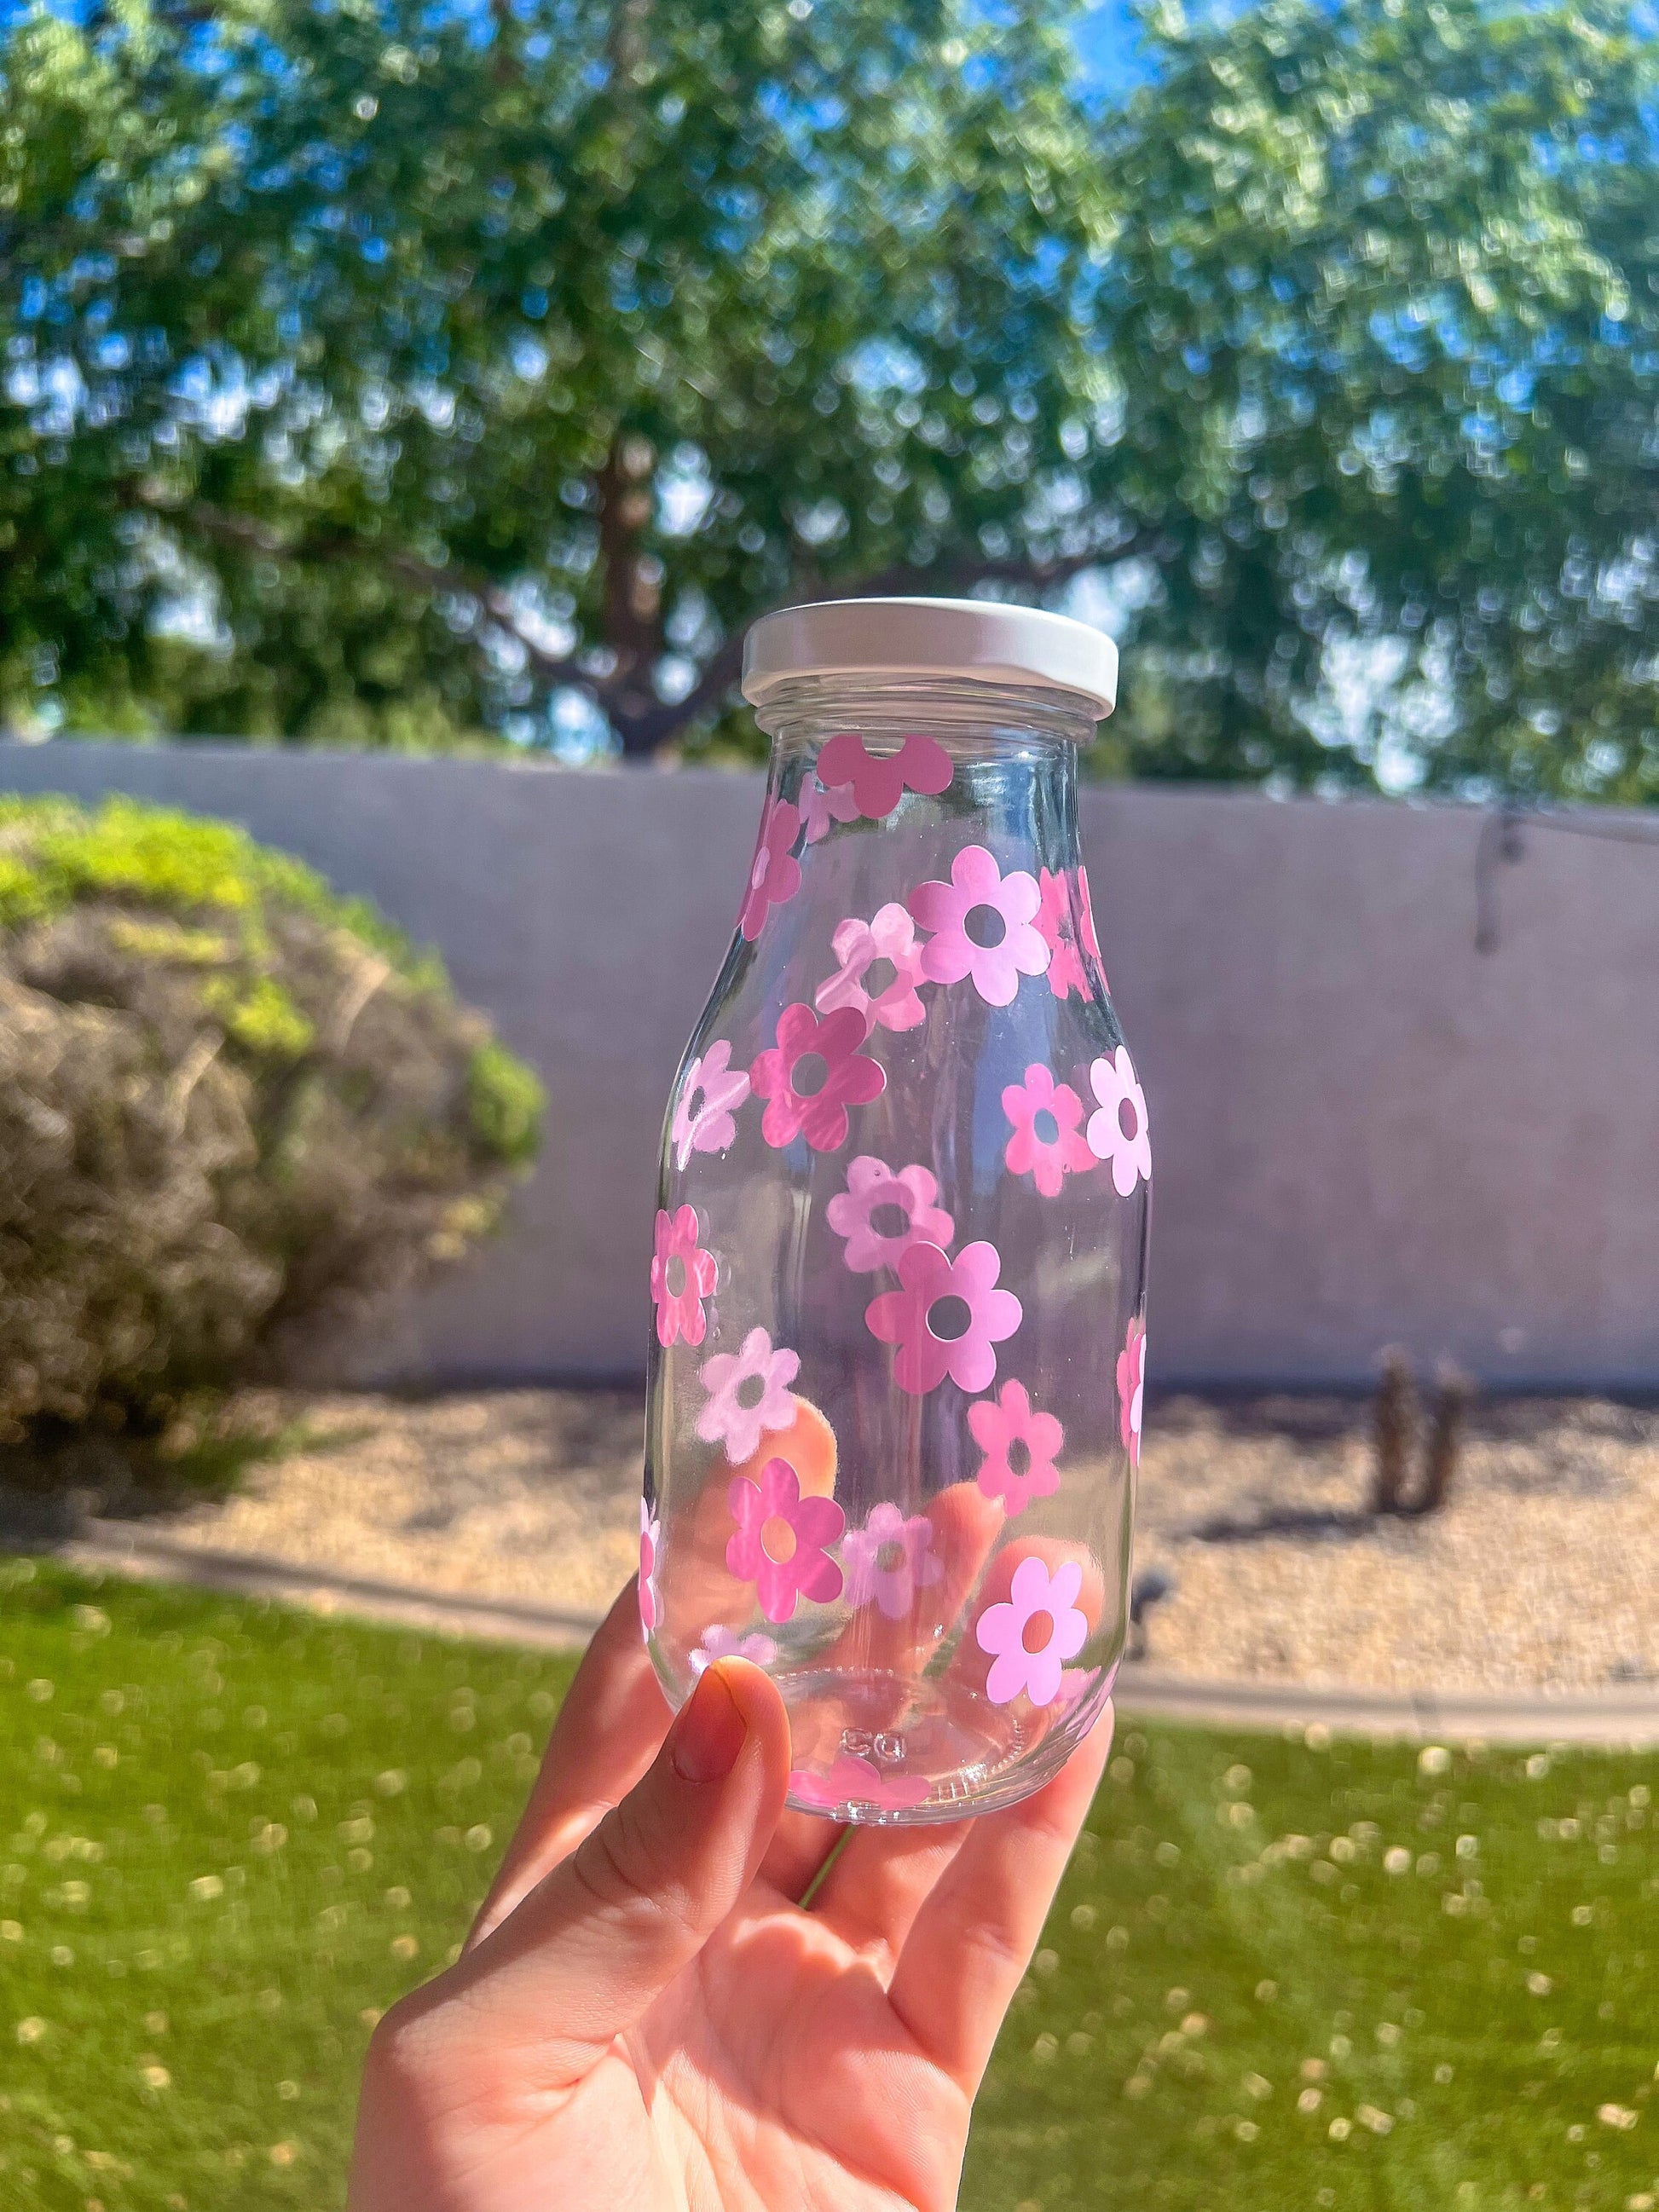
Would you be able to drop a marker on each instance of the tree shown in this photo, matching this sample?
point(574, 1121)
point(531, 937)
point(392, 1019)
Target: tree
point(380, 377)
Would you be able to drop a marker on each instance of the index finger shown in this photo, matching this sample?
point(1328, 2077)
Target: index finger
point(609, 1729)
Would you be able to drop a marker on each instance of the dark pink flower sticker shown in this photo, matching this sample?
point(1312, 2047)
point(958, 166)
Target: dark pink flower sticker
point(946, 1318)
point(783, 1541)
point(1047, 1143)
point(774, 875)
point(682, 1277)
point(1086, 924)
point(879, 781)
point(1059, 931)
point(814, 1073)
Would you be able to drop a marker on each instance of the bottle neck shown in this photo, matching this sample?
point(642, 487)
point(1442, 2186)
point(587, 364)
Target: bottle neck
point(1013, 749)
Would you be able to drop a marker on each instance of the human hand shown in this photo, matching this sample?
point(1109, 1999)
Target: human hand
point(645, 2017)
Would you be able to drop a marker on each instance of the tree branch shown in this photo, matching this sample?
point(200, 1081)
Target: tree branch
point(643, 722)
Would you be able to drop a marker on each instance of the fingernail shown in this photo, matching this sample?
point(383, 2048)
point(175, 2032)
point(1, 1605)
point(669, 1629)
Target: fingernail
point(710, 1730)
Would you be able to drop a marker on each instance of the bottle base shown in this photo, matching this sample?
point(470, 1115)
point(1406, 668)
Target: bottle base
point(887, 1750)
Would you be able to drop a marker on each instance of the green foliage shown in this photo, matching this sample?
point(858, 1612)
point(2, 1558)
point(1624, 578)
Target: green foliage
point(506, 1102)
point(234, 1835)
point(234, 1109)
point(374, 379)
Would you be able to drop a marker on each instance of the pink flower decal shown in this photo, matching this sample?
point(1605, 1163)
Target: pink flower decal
point(774, 877)
point(1132, 1387)
point(820, 808)
point(650, 1539)
point(1047, 1143)
point(1118, 1133)
point(858, 946)
point(1056, 928)
point(1006, 1430)
point(783, 1539)
point(890, 1559)
point(733, 1416)
point(849, 1078)
point(873, 1186)
point(854, 1781)
point(1086, 924)
point(911, 1315)
point(879, 781)
point(1036, 1603)
point(722, 1643)
point(682, 1277)
point(1001, 908)
point(704, 1113)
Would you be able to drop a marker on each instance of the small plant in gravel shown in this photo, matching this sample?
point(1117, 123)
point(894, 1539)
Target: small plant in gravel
point(234, 1108)
point(1396, 1428)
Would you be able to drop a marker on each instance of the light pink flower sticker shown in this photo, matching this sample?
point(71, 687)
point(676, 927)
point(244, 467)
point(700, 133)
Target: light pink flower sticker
point(719, 1642)
point(938, 1293)
point(1047, 1143)
point(890, 1559)
point(894, 1004)
point(874, 1188)
point(825, 1054)
point(1020, 1447)
point(650, 1541)
point(981, 903)
point(775, 874)
point(879, 781)
point(682, 1277)
point(1132, 1388)
point(783, 1541)
point(1059, 931)
point(748, 1392)
point(820, 808)
point(854, 1781)
point(1086, 924)
point(1041, 1606)
point(705, 1111)
point(1118, 1131)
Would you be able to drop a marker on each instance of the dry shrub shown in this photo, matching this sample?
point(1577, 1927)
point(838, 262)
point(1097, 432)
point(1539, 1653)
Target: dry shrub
point(234, 1109)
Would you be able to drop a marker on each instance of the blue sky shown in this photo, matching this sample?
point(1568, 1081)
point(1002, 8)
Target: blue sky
point(1109, 45)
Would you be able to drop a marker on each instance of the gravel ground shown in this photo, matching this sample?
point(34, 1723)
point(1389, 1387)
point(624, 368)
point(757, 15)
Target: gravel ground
point(1540, 1572)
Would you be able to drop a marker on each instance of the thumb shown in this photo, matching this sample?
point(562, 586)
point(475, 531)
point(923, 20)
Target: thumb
point(605, 1932)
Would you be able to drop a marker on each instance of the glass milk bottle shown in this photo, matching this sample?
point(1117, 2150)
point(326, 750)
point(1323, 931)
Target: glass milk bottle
point(899, 1270)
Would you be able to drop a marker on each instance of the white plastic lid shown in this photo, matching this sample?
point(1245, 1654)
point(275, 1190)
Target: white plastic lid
point(983, 639)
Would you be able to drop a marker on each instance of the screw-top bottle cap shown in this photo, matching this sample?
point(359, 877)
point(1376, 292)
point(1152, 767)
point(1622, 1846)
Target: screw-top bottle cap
point(983, 640)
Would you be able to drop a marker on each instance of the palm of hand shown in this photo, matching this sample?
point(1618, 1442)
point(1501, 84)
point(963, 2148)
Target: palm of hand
point(820, 2058)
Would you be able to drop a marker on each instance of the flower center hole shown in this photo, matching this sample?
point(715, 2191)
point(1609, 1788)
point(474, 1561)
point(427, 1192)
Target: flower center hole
point(674, 1277)
point(984, 926)
point(1128, 1121)
point(1038, 1633)
point(1020, 1459)
point(949, 1317)
point(750, 1391)
point(696, 1097)
point(809, 1075)
point(778, 1539)
point(890, 1556)
point(880, 976)
point(1045, 1129)
point(889, 1219)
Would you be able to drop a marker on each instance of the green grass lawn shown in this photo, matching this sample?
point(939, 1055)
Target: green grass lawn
point(1280, 1974)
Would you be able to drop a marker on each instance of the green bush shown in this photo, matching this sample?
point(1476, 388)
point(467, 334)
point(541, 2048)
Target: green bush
point(235, 1107)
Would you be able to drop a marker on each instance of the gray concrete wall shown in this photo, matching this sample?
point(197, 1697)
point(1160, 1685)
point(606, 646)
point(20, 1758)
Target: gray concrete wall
point(1365, 1131)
